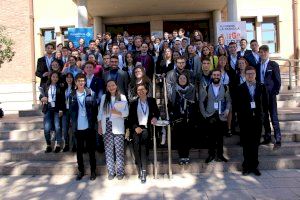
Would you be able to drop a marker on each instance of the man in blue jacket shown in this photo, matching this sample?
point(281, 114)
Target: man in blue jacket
point(269, 74)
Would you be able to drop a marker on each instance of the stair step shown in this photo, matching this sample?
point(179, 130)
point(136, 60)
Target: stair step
point(289, 125)
point(196, 166)
point(22, 135)
point(232, 151)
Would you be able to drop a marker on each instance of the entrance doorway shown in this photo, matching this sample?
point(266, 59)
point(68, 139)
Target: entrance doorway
point(133, 29)
point(189, 27)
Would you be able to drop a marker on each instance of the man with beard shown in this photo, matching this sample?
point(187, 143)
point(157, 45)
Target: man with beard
point(215, 103)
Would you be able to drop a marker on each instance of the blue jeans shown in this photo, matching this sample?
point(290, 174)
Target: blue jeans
point(66, 118)
point(51, 118)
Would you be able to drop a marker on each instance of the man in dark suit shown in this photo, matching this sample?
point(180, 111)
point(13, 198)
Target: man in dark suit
point(244, 51)
point(43, 68)
point(221, 43)
point(253, 57)
point(268, 73)
point(252, 99)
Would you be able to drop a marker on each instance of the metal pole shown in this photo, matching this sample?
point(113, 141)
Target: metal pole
point(154, 138)
point(290, 75)
point(169, 130)
point(296, 37)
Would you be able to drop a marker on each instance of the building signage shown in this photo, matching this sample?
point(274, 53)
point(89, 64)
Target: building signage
point(74, 34)
point(232, 31)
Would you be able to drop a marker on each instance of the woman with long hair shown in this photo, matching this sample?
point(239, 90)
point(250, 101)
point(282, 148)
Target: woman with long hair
point(139, 77)
point(53, 106)
point(113, 109)
point(129, 64)
point(206, 53)
point(166, 64)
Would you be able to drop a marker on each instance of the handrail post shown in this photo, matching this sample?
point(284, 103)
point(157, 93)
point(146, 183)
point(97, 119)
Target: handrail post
point(290, 75)
point(154, 137)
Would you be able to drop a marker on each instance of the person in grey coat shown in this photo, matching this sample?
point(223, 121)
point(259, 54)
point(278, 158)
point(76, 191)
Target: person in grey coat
point(215, 104)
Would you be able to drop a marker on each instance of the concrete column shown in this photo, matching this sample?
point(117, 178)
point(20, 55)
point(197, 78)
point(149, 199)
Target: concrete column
point(232, 11)
point(216, 18)
point(97, 26)
point(82, 14)
point(156, 26)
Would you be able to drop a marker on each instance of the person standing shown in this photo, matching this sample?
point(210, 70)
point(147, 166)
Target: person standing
point(269, 75)
point(143, 114)
point(215, 104)
point(252, 100)
point(43, 68)
point(112, 111)
point(83, 110)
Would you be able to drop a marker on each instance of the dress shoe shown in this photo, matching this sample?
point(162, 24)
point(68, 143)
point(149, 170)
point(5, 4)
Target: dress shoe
point(265, 142)
point(93, 176)
point(181, 161)
point(79, 176)
point(229, 133)
point(143, 176)
point(120, 177)
point(186, 161)
point(256, 172)
point(57, 149)
point(111, 176)
point(277, 145)
point(209, 159)
point(245, 172)
point(48, 149)
point(222, 159)
point(66, 148)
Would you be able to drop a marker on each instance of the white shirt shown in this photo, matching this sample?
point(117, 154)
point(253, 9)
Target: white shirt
point(256, 56)
point(233, 60)
point(67, 94)
point(142, 112)
point(225, 78)
point(89, 80)
point(242, 52)
point(52, 93)
point(216, 89)
point(82, 120)
point(263, 69)
point(48, 62)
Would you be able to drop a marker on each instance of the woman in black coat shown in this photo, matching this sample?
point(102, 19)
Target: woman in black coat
point(143, 114)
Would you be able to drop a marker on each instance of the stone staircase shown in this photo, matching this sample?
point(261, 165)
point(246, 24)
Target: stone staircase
point(22, 147)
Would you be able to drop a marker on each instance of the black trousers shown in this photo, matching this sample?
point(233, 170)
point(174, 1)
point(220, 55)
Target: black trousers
point(215, 135)
point(182, 138)
point(250, 138)
point(140, 147)
point(86, 136)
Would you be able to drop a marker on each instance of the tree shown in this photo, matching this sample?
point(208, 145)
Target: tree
point(6, 47)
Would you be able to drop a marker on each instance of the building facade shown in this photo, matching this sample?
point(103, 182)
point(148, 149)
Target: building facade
point(32, 23)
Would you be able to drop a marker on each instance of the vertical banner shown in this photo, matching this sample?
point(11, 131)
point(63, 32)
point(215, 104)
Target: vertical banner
point(232, 31)
point(74, 34)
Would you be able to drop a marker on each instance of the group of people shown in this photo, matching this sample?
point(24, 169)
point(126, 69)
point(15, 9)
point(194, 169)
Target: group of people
point(103, 94)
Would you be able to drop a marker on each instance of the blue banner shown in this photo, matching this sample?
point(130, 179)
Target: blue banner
point(74, 34)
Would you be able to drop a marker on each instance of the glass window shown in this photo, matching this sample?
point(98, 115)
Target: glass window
point(49, 35)
point(269, 31)
point(250, 28)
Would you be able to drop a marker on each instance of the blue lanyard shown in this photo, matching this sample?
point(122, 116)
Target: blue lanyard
point(53, 94)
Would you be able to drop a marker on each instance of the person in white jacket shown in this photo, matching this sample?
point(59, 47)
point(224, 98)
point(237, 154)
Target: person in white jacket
point(112, 111)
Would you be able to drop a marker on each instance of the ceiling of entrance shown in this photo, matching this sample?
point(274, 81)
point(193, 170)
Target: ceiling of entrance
point(120, 8)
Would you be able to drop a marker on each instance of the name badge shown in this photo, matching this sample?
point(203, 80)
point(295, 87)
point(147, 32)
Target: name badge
point(216, 105)
point(252, 104)
point(52, 103)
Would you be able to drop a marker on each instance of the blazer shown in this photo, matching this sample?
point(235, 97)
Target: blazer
point(118, 126)
point(41, 69)
point(163, 68)
point(196, 70)
point(59, 101)
point(97, 86)
point(153, 112)
point(272, 79)
point(247, 52)
point(90, 106)
point(251, 60)
point(207, 100)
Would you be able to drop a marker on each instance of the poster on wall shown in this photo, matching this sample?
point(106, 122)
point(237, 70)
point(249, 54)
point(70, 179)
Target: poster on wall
point(74, 34)
point(232, 31)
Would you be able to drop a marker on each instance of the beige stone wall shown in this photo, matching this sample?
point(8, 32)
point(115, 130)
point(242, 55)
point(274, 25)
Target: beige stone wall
point(15, 16)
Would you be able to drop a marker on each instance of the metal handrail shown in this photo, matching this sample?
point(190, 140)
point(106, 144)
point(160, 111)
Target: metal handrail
point(290, 66)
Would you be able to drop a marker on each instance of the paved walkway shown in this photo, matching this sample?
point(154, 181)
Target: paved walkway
point(273, 184)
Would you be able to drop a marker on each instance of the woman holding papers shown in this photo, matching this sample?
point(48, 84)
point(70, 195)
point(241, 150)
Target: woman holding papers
point(113, 109)
point(143, 113)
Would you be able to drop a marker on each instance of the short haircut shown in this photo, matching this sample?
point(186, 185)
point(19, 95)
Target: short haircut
point(114, 57)
point(215, 70)
point(108, 33)
point(232, 43)
point(144, 85)
point(91, 41)
point(184, 39)
point(182, 30)
point(175, 30)
point(80, 76)
point(115, 44)
point(59, 44)
point(250, 68)
point(106, 54)
point(264, 48)
point(89, 63)
point(73, 57)
point(49, 44)
point(253, 41)
point(221, 36)
point(244, 40)
point(206, 59)
point(181, 58)
point(66, 48)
